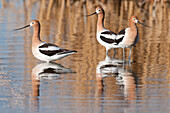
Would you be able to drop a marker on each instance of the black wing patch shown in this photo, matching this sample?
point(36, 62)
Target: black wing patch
point(50, 53)
point(107, 40)
point(46, 45)
point(122, 32)
point(53, 52)
point(108, 33)
point(119, 40)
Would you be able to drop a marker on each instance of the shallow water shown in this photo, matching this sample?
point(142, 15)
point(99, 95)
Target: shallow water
point(86, 81)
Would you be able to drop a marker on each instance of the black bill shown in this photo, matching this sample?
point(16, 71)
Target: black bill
point(144, 24)
point(22, 27)
point(91, 14)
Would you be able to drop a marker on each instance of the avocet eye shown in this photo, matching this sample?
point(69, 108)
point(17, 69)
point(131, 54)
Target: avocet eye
point(98, 9)
point(134, 19)
point(33, 22)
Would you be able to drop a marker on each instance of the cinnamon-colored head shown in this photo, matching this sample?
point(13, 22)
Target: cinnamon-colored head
point(133, 19)
point(34, 23)
point(99, 10)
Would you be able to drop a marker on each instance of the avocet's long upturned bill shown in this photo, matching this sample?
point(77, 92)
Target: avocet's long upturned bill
point(104, 36)
point(45, 51)
point(129, 36)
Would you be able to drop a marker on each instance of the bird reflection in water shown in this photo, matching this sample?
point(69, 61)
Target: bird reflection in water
point(127, 81)
point(49, 71)
point(45, 71)
point(121, 71)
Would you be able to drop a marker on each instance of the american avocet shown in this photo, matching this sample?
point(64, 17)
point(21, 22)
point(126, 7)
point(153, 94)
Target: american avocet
point(45, 51)
point(104, 36)
point(129, 36)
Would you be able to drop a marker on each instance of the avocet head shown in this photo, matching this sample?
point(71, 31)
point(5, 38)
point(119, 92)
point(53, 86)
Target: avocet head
point(99, 10)
point(134, 19)
point(33, 23)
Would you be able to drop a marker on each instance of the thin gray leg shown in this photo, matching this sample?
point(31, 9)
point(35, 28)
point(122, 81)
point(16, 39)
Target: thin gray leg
point(123, 54)
point(106, 52)
point(130, 53)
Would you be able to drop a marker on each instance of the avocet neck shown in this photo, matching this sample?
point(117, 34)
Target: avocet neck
point(100, 22)
point(133, 27)
point(36, 36)
point(134, 38)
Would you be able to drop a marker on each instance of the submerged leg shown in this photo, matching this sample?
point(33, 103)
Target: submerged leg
point(130, 53)
point(123, 54)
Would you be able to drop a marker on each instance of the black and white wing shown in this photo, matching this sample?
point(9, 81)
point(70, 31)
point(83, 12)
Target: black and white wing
point(51, 49)
point(120, 36)
point(108, 36)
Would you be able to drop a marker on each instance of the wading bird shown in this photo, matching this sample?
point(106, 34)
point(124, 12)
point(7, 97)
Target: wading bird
point(104, 36)
point(129, 37)
point(45, 51)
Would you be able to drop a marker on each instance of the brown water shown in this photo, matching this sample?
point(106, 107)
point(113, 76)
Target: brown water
point(87, 81)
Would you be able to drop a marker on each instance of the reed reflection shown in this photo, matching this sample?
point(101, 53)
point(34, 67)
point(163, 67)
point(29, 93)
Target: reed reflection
point(45, 71)
point(121, 71)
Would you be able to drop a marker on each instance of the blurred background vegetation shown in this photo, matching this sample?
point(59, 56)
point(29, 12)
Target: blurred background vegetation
point(124, 8)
